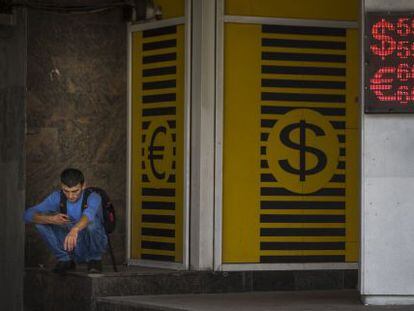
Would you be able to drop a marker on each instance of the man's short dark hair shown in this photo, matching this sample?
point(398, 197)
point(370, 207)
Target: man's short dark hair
point(71, 177)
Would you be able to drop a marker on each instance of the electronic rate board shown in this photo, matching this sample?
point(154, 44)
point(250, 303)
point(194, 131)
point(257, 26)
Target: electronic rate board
point(389, 62)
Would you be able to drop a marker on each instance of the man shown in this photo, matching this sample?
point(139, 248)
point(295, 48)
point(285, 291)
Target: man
point(79, 235)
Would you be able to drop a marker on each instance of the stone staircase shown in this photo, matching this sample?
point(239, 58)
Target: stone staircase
point(79, 291)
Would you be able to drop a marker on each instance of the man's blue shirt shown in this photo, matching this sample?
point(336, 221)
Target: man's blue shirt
point(74, 209)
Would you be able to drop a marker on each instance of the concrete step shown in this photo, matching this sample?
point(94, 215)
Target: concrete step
point(343, 300)
point(78, 291)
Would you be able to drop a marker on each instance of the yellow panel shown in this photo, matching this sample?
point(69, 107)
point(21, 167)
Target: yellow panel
point(157, 148)
point(171, 8)
point(352, 252)
point(353, 146)
point(353, 211)
point(353, 79)
point(315, 9)
point(291, 145)
point(240, 237)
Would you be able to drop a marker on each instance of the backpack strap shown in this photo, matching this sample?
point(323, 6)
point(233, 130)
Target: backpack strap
point(86, 194)
point(62, 203)
point(63, 200)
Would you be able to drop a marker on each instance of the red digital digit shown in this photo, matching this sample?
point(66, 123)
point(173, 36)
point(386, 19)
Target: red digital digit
point(403, 94)
point(403, 27)
point(403, 49)
point(403, 72)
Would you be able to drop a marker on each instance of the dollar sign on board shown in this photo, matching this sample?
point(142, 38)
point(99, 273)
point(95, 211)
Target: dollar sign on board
point(302, 171)
point(388, 44)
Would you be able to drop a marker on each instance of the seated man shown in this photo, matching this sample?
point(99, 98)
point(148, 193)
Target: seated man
point(79, 235)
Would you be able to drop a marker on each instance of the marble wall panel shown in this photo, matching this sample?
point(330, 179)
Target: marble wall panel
point(12, 168)
point(77, 81)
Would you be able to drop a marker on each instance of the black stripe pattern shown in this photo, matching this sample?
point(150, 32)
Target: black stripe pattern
point(303, 30)
point(310, 76)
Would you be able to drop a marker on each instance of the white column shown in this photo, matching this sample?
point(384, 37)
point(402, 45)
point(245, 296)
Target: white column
point(387, 227)
point(202, 134)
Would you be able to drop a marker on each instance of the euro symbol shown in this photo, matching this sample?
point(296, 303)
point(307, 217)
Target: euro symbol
point(152, 149)
point(381, 82)
point(302, 148)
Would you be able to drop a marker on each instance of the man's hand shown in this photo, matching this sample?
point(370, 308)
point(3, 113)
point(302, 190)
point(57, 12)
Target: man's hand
point(70, 241)
point(58, 219)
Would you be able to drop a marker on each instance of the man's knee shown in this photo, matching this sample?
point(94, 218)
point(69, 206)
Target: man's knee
point(50, 229)
point(93, 226)
point(46, 230)
point(94, 236)
point(42, 228)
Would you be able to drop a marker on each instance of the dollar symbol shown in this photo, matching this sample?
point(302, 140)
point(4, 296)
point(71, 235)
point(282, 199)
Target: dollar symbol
point(285, 139)
point(388, 44)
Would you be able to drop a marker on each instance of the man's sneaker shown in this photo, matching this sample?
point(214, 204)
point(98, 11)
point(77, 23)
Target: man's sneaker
point(63, 266)
point(95, 266)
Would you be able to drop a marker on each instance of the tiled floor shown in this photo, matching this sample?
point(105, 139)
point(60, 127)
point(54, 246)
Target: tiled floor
point(344, 300)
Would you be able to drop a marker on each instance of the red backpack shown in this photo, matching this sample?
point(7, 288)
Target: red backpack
point(108, 210)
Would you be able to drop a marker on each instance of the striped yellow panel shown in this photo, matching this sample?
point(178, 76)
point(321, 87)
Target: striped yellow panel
point(316, 9)
point(291, 184)
point(157, 144)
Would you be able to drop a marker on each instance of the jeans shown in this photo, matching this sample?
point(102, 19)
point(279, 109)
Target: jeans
point(91, 244)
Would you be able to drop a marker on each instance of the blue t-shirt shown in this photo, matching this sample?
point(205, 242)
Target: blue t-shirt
point(74, 209)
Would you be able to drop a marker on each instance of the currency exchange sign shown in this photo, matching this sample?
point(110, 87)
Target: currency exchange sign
point(389, 62)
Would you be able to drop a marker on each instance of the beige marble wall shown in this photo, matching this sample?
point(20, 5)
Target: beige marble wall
point(76, 110)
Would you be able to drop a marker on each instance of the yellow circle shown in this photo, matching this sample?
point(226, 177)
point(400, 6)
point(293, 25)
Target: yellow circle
point(303, 151)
